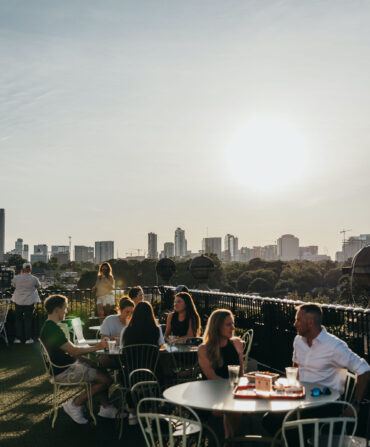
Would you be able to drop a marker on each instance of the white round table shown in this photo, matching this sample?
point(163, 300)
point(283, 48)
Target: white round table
point(216, 395)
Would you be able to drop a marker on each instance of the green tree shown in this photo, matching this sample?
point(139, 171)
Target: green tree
point(16, 261)
point(259, 285)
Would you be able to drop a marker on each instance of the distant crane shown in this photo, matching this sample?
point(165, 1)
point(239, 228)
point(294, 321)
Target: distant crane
point(344, 235)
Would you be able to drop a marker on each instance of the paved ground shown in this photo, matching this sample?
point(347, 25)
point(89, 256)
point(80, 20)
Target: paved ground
point(25, 405)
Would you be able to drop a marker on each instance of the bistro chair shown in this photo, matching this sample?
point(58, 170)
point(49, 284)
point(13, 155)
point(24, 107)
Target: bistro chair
point(78, 336)
point(184, 359)
point(165, 424)
point(300, 431)
point(350, 385)
point(4, 308)
point(134, 357)
point(247, 339)
point(50, 367)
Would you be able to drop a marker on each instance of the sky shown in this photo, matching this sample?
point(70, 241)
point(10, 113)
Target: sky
point(121, 118)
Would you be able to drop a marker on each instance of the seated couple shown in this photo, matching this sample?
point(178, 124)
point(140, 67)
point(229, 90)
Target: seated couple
point(72, 367)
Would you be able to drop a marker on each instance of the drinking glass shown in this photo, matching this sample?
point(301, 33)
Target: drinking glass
point(111, 346)
point(233, 374)
point(291, 375)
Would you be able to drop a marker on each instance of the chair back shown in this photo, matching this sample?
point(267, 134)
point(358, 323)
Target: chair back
point(350, 385)
point(47, 362)
point(141, 390)
point(78, 335)
point(4, 308)
point(247, 339)
point(141, 356)
point(300, 431)
point(141, 375)
point(185, 359)
point(166, 424)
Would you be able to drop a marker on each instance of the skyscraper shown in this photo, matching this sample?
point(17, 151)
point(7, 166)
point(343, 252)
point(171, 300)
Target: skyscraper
point(84, 254)
point(152, 246)
point(288, 247)
point(180, 243)
point(104, 251)
point(2, 233)
point(25, 252)
point(212, 245)
point(40, 253)
point(19, 247)
point(169, 250)
point(231, 245)
point(61, 252)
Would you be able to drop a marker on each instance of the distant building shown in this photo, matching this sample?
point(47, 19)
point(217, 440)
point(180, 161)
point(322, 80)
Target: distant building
point(2, 234)
point(269, 252)
point(305, 253)
point(168, 250)
point(25, 252)
point(84, 253)
point(245, 254)
point(212, 245)
point(180, 243)
point(288, 247)
point(61, 253)
point(104, 251)
point(152, 246)
point(231, 245)
point(40, 253)
point(19, 247)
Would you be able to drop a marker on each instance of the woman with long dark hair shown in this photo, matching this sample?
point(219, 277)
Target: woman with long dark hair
point(104, 291)
point(143, 327)
point(184, 321)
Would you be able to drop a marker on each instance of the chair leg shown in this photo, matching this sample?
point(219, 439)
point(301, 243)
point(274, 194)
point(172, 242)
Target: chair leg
point(55, 405)
point(90, 402)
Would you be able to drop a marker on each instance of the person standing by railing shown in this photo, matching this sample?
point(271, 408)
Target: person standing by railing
point(104, 291)
point(25, 296)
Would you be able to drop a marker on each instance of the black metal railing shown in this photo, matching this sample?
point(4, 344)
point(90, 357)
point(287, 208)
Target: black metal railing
point(271, 319)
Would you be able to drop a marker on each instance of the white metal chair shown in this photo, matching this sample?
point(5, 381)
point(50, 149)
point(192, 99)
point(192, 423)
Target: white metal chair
point(247, 339)
point(78, 336)
point(50, 371)
point(4, 308)
point(300, 431)
point(164, 424)
point(350, 385)
point(185, 362)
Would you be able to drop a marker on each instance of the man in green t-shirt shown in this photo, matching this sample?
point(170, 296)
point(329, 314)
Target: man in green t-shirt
point(63, 353)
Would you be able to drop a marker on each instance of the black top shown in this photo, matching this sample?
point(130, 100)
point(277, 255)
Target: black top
point(230, 356)
point(53, 338)
point(179, 328)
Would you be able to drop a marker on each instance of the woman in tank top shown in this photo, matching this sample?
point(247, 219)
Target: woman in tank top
point(184, 321)
point(220, 349)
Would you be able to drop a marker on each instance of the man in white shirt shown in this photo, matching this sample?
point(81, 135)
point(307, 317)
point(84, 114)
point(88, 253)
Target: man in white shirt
point(25, 296)
point(324, 358)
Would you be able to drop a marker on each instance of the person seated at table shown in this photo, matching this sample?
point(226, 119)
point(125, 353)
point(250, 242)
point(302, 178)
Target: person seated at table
point(220, 349)
point(113, 324)
point(72, 367)
point(184, 321)
point(104, 291)
point(142, 328)
point(136, 293)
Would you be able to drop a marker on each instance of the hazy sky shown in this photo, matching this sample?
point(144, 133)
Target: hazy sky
point(245, 117)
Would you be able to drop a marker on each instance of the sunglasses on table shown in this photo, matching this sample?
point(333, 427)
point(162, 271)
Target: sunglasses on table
point(317, 392)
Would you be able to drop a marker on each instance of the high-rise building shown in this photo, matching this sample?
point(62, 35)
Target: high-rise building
point(2, 234)
point(104, 251)
point(269, 252)
point(169, 250)
point(152, 246)
point(231, 245)
point(180, 243)
point(84, 254)
point(25, 252)
point(306, 253)
point(61, 252)
point(19, 247)
point(288, 247)
point(40, 253)
point(246, 254)
point(212, 245)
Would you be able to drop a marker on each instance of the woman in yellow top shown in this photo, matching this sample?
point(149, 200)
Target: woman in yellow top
point(104, 290)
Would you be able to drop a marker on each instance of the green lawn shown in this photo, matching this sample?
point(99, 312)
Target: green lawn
point(26, 402)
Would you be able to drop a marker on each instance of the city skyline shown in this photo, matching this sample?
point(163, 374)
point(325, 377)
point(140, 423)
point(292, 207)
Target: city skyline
point(239, 117)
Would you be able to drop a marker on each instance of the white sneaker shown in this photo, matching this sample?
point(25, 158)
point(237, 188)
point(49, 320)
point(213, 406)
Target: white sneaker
point(132, 419)
point(16, 341)
point(75, 412)
point(29, 341)
point(109, 412)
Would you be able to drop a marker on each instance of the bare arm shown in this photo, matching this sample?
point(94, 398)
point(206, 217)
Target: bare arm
point(168, 325)
point(239, 349)
point(74, 350)
point(205, 364)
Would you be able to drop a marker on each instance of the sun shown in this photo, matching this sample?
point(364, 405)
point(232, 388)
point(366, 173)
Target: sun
point(267, 154)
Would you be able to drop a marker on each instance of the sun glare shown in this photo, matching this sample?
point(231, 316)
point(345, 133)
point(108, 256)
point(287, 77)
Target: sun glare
point(267, 154)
